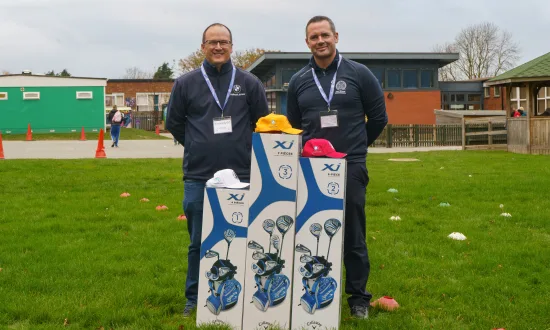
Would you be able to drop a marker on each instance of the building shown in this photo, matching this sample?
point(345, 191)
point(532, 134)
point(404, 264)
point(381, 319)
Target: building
point(51, 104)
point(409, 80)
point(138, 94)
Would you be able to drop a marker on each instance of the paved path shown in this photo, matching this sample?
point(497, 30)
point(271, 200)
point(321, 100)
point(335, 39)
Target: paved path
point(127, 149)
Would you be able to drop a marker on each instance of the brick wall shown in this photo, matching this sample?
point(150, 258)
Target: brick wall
point(495, 103)
point(414, 107)
point(130, 88)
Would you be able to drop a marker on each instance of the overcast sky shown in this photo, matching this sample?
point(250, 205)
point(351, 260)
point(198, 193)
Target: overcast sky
point(101, 38)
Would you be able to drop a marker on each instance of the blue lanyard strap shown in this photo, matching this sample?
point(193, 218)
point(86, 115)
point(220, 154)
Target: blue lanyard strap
point(213, 91)
point(332, 84)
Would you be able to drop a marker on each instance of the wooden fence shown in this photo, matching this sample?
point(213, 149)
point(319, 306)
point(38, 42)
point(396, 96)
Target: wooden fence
point(419, 136)
point(146, 120)
point(484, 133)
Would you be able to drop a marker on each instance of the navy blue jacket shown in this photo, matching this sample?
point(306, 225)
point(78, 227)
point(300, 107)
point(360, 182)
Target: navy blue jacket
point(190, 116)
point(357, 94)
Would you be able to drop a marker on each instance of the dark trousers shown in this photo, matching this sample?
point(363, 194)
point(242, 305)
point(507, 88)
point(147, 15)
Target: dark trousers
point(356, 255)
point(193, 202)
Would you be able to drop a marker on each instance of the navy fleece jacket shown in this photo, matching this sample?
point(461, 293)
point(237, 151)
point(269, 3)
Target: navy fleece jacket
point(357, 94)
point(191, 113)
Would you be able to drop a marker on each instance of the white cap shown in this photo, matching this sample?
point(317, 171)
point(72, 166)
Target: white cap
point(226, 179)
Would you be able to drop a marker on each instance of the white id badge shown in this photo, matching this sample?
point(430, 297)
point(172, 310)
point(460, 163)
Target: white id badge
point(329, 118)
point(222, 125)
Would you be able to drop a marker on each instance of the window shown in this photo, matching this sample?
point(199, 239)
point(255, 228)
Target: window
point(287, 74)
point(410, 79)
point(31, 96)
point(3, 96)
point(270, 82)
point(426, 78)
point(543, 99)
point(496, 92)
point(460, 97)
point(114, 99)
point(519, 97)
point(84, 95)
point(474, 98)
point(394, 78)
point(486, 92)
point(379, 74)
point(272, 101)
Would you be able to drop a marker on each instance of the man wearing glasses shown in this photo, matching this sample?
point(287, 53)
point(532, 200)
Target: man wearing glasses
point(212, 112)
point(329, 99)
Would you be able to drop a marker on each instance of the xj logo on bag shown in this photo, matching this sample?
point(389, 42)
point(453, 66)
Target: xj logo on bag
point(285, 145)
point(333, 169)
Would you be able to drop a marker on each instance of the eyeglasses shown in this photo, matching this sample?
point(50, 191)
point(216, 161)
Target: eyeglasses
point(214, 43)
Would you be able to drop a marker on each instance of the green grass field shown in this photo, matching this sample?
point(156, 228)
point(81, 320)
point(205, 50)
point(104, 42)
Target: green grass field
point(72, 249)
point(125, 133)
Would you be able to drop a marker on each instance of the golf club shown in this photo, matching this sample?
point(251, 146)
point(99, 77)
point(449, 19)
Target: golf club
point(284, 222)
point(212, 254)
point(315, 229)
point(306, 258)
point(302, 249)
point(331, 228)
point(229, 235)
point(269, 225)
point(257, 255)
point(255, 246)
point(276, 243)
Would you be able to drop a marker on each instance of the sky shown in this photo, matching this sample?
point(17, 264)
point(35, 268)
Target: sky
point(102, 38)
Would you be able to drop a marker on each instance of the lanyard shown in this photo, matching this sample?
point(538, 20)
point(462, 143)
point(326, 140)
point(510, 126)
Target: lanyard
point(332, 84)
point(213, 91)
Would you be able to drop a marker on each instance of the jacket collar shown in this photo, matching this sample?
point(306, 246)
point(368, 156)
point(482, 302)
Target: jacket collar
point(212, 71)
point(332, 66)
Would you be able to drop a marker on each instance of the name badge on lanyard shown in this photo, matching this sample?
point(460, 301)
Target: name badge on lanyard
point(221, 125)
point(328, 118)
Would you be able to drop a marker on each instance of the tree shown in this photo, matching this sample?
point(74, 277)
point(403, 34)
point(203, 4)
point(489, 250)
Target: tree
point(137, 73)
point(241, 58)
point(63, 73)
point(485, 51)
point(164, 72)
point(192, 61)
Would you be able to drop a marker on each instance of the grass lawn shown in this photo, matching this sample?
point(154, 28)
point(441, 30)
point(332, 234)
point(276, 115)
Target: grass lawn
point(125, 133)
point(72, 249)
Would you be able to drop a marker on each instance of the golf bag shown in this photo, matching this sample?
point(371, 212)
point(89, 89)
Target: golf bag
point(224, 289)
point(319, 293)
point(271, 290)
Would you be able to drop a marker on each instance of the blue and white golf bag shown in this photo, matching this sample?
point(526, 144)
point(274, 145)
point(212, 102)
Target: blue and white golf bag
point(224, 289)
point(319, 293)
point(271, 290)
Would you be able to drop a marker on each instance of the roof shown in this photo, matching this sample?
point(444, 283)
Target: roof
point(534, 70)
point(140, 80)
point(268, 59)
point(28, 80)
point(43, 75)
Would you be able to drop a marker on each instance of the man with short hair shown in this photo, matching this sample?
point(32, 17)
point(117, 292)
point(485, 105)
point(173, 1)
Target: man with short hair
point(329, 99)
point(212, 112)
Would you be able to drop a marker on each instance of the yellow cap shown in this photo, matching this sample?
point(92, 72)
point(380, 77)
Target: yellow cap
point(275, 123)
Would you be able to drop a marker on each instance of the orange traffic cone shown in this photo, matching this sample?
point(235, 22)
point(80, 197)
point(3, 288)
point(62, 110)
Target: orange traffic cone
point(1, 147)
point(157, 130)
point(82, 135)
point(100, 152)
point(29, 133)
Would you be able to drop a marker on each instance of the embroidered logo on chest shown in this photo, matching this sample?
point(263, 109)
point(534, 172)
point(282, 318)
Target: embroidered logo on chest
point(341, 87)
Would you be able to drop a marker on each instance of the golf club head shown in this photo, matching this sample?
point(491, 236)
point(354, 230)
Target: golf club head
point(284, 222)
point(222, 271)
point(229, 235)
point(302, 249)
point(212, 276)
point(276, 241)
point(269, 265)
point(304, 272)
point(315, 229)
point(211, 254)
point(255, 246)
point(257, 255)
point(257, 269)
point(332, 226)
point(305, 258)
point(317, 269)
point(268, 226)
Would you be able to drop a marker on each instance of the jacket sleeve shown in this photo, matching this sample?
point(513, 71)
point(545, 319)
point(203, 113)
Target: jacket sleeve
point(374, 104)
point(292, 108)
point(258, 103)
point(176, 114)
